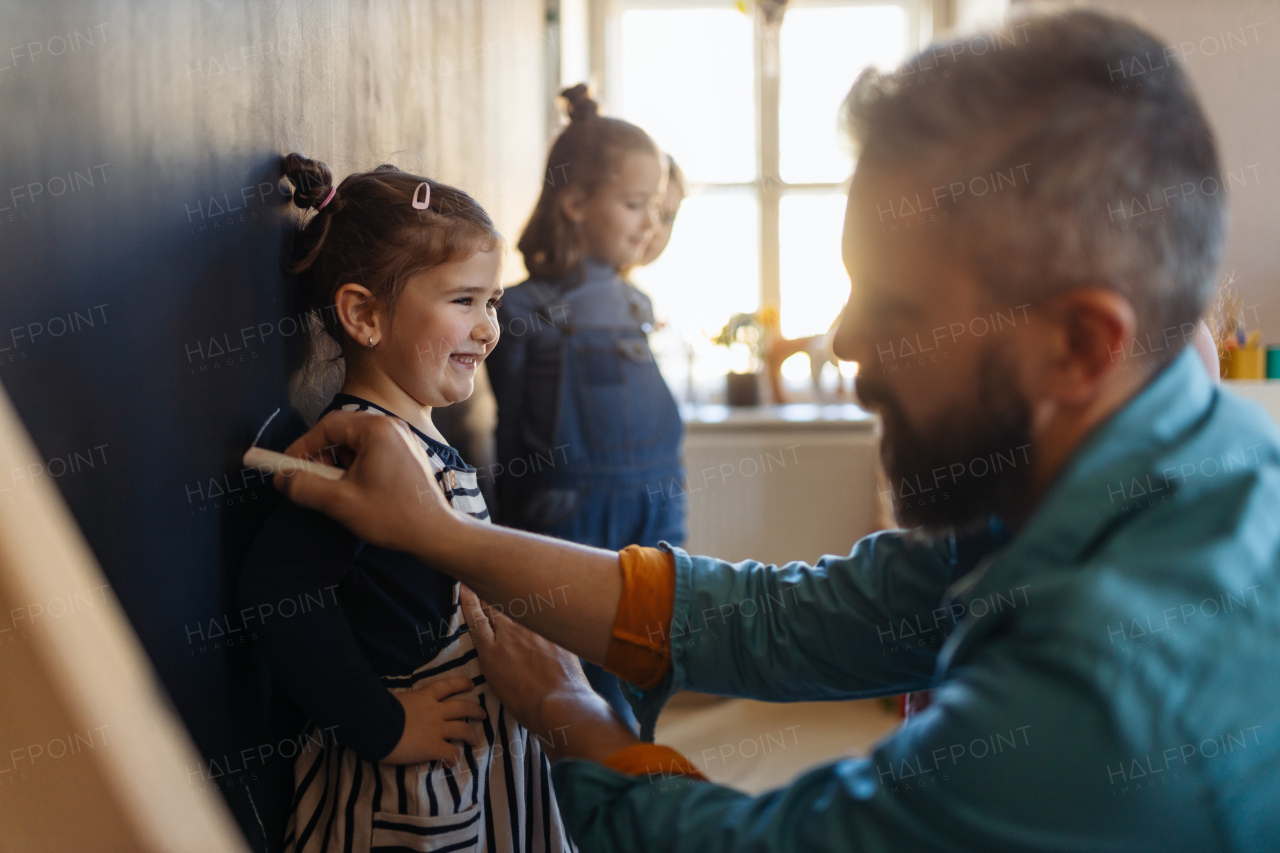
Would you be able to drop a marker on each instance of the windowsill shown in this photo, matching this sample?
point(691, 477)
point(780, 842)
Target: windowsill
point(715, 416)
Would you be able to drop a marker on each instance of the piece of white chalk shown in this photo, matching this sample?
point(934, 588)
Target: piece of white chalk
point(268, 461)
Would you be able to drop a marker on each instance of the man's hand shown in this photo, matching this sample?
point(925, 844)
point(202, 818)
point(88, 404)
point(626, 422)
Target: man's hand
point(433, 723)
point(388, 496)
point(543, 686)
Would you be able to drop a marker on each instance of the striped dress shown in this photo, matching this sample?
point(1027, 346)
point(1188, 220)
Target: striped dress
point(498, 798)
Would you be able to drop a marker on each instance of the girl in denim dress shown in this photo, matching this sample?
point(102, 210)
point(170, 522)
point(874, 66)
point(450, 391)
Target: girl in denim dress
point(588, 436)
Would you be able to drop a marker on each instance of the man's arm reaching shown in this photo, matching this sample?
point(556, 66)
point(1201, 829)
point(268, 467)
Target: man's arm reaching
point(388, 497)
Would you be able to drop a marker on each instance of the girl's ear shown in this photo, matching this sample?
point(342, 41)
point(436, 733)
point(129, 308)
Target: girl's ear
point(573, 204)
point(358, 313)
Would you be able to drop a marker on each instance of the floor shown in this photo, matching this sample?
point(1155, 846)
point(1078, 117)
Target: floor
point(757, 746)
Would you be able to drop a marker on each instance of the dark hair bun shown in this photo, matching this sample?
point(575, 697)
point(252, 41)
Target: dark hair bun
point(581, 105)
point(311, 180)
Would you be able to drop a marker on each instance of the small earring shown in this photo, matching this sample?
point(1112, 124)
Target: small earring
point(371, 342)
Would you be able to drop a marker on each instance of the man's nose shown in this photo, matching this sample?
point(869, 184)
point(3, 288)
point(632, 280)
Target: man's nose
point(850, 341)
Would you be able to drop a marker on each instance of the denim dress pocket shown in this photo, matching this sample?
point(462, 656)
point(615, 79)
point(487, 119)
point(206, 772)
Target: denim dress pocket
point(546, 507)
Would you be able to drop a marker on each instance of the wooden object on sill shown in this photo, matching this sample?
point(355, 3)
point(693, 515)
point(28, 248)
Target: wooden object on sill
point(815, 346)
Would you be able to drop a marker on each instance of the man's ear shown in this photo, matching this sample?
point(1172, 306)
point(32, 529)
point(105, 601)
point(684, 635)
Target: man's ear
point(573, 203)
point(358, 312)
point(1092, 333)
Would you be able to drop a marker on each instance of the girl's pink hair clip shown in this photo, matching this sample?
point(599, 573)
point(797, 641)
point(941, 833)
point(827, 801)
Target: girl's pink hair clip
point(426, 199)
point(332, 190)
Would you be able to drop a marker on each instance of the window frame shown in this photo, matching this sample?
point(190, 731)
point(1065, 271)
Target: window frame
point(768, 185)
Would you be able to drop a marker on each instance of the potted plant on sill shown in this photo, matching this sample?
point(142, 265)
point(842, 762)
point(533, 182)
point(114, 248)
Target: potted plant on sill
point(746, 336)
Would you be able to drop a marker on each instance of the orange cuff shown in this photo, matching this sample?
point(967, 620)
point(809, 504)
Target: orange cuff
point(650, 759)
point(639, 651)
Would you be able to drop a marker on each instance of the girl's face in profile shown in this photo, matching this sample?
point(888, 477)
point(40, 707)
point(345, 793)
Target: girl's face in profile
point(617, 219)
point(661, 234)
point(445, 323)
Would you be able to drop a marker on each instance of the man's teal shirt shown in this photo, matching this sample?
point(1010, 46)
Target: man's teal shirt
point(1106, 679)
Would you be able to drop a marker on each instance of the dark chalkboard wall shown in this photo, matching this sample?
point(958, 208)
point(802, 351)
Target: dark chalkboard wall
point(144, 322)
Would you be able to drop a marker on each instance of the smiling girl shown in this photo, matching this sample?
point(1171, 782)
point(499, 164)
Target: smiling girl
point(409, 750)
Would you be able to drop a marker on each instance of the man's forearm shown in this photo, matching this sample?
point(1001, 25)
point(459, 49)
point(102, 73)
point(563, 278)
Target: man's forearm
point(566, 592)
point(581, 726)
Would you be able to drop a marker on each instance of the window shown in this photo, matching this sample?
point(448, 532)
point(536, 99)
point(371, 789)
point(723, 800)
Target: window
point(750, 112)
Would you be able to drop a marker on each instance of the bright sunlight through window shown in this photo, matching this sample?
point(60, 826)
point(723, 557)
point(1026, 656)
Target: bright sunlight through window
point(691, 77)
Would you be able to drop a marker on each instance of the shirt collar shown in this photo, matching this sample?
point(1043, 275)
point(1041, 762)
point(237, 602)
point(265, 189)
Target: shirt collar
point(597, 270)
point(1086, 501)
point(1081, 505)
point(448, 454)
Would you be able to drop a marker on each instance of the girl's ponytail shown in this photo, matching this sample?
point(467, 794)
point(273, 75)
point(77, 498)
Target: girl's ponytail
point(312, 182)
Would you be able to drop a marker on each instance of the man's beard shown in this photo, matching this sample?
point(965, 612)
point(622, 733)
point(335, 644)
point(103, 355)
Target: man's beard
point(970, 463)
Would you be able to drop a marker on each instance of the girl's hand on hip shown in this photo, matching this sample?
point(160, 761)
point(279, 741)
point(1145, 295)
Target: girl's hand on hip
point(434, 723)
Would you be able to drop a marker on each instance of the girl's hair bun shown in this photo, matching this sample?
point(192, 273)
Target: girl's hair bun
point(311, 180)
point(581, 105)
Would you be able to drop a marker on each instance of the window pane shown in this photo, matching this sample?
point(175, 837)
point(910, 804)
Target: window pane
point(821, 53)
point(709, 271)
point(575, 64)
point(814, 283)
point(688, 79)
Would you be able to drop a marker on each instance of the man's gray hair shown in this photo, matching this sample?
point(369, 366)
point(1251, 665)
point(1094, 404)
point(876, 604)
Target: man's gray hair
point(1097, 165)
